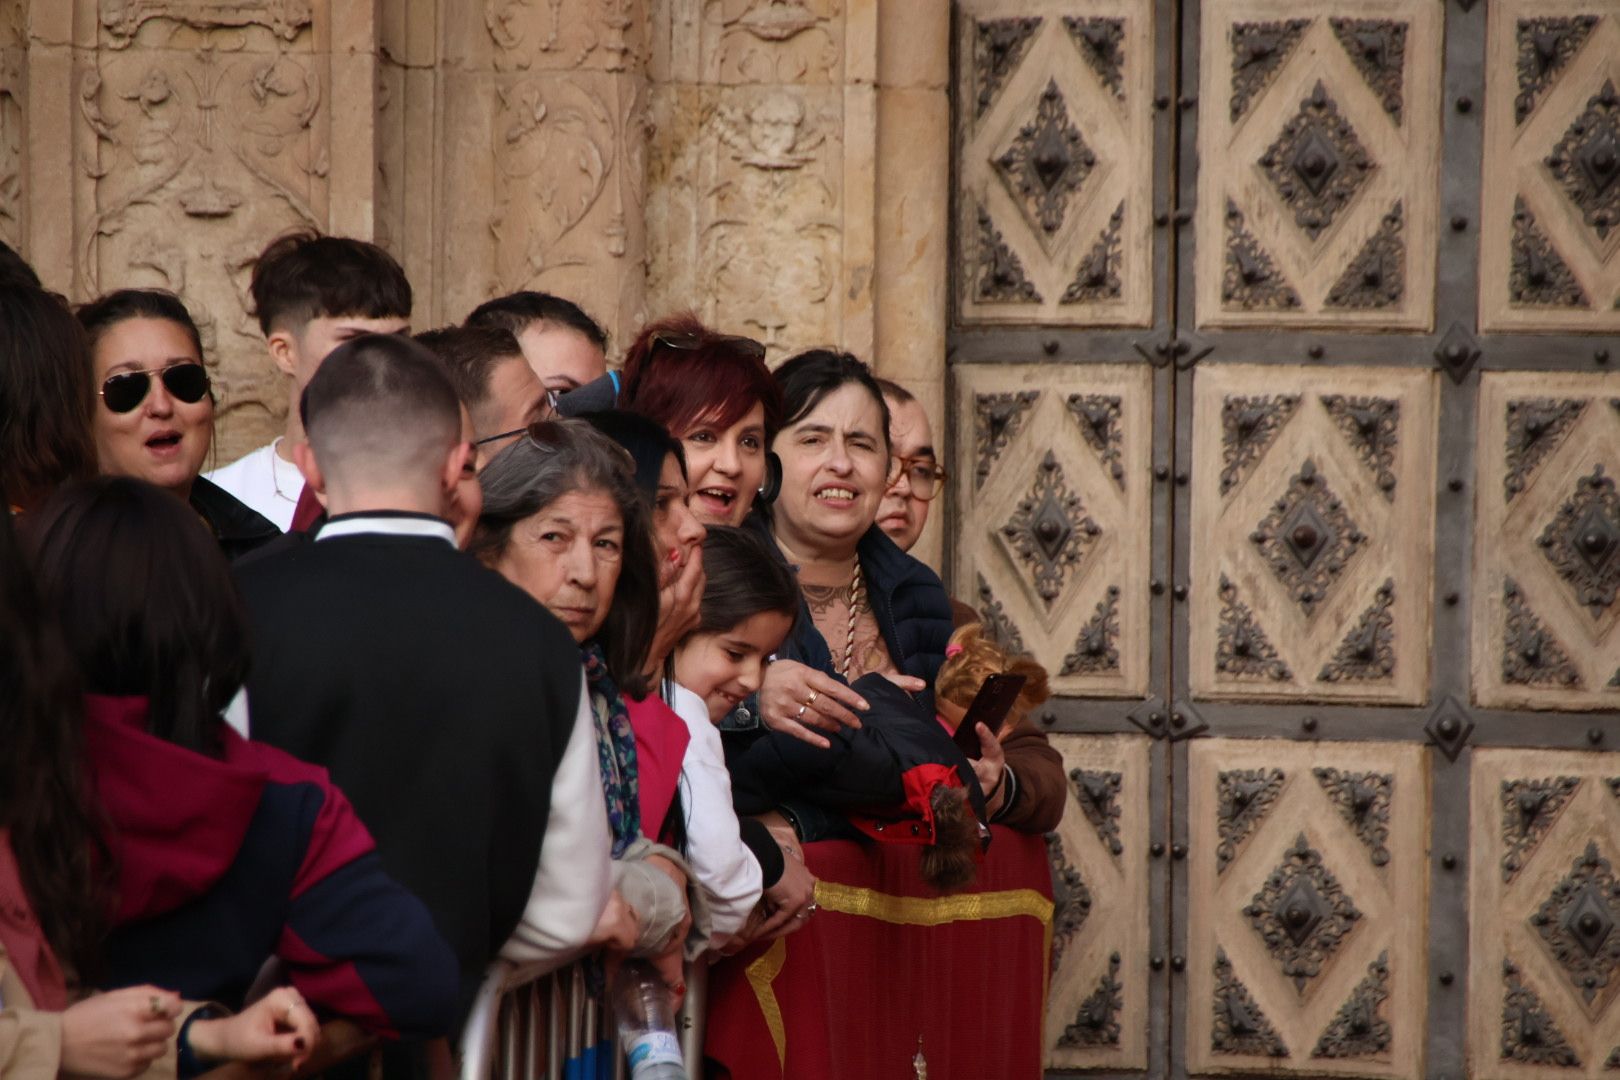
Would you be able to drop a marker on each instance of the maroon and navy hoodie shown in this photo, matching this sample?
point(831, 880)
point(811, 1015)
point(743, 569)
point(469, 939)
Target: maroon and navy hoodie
point(224, 863)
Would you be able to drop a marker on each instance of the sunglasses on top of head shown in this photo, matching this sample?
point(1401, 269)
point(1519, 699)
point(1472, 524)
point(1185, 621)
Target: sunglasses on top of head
point(125, 391)
point(688, 342)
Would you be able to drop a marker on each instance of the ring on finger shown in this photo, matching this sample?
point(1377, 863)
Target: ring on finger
point(811, 700)
point(812, 907)
point(800, 714)
point(154, 1005)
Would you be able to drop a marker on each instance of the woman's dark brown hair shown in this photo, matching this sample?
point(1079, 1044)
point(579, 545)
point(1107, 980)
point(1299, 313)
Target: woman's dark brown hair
point(145, 603)
point(44, 801)
point(46, 396)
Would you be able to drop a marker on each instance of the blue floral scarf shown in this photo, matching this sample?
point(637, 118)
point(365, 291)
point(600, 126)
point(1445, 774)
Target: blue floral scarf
point(615, 750)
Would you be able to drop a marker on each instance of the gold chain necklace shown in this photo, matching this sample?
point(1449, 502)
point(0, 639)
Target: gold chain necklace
point(857, 594)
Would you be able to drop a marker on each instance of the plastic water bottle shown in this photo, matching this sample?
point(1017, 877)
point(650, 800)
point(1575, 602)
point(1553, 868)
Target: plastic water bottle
point(646, 1024)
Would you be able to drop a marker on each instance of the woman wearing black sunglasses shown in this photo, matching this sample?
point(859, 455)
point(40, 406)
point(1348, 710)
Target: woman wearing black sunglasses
point(154, 415)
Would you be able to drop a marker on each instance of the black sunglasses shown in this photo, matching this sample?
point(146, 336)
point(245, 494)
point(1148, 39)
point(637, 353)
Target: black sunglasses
point(126, 390)
point(687, 342)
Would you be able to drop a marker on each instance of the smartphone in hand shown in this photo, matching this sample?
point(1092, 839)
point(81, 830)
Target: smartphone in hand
point(990, 707)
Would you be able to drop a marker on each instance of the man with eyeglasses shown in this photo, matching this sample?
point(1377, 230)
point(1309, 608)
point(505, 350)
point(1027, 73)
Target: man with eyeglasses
point(918, 476)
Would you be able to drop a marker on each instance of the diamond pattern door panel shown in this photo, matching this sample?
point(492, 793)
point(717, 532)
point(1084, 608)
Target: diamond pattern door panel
point(1307, 882)
point(1055, 162)
point(1097, 1009)
point(1544, 886)
point(1318, 149)
point(1312, 528)
point(1054, 529)
point(1550, 204)
point(1547, 545)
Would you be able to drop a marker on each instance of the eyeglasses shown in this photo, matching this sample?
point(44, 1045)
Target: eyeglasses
point(689, 342)
point(550, 413)
point(927, 476)
point(126, 390)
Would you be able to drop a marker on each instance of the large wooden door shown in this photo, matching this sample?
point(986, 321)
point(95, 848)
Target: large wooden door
point(1287, 439)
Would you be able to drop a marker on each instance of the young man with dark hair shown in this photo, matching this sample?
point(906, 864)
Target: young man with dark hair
point(502, 393)
point(446, 702)
point(311, 293)
point(564, 346)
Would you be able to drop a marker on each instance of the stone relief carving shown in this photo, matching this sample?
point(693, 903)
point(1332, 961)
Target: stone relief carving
point(1248, 427)
point(1240, 1026)
point(773, 242)
point(1242, 647)
point(1362, 799)
point(1246, 797)
point(1529, 1033)
point(1317, 163)
point(998, 272)
point(1308, 538)
point(774, 41)
point(224, 145)
point(1367, 652)
point(1359, 1028)
point(1535, 428)
point(1371, 424)
point(1102, 42)
point(537, 205)
point(1096, 650)
point(1529, 808)
point(997, 623)
point(1097, 793)
point(1258, 50)
point(1537, 274)
point(1302, 913)
point(1531, 654)
point(1071, 899)
point(998, 47)
point(1586, 162)
point(1251, 280)
point(1378, 49)
point(1546, 45)
point(1376, 277)
point(11, 144)
point(121, 20)
point(1582, 542)
point(1099, 417)
point(1046, 164)
point(997, 419)
point(558, 34)
point(1051, 533)
point(1096, 1023)
point(1577, 922)
point(1098, 276)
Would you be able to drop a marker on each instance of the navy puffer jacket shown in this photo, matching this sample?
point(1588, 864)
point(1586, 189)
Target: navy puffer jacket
point(912, 608)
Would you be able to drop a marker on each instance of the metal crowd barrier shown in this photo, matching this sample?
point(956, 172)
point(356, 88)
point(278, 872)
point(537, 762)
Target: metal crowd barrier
point(533, 1029)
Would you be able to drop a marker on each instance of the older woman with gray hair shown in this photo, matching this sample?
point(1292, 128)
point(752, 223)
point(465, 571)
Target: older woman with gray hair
point(563, 521)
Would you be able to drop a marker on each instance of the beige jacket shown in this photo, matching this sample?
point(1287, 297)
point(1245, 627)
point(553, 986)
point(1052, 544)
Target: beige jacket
point(31, 1040)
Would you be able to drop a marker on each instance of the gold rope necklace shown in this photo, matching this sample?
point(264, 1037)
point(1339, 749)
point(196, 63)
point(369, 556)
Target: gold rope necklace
point(857, 594)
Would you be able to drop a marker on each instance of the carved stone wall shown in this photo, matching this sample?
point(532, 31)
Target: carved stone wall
point(1313, 509)
point(759, 168)
point(1306, 936)
point(1550, 209)
point(13, 59)
point(1547, 542)
point(1319, 156)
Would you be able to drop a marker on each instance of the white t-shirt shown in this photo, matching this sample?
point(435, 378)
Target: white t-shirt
point(263, 482)
point(724, 866)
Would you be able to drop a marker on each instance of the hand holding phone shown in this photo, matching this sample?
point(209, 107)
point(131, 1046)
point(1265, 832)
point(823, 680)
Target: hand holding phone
point(990, 707)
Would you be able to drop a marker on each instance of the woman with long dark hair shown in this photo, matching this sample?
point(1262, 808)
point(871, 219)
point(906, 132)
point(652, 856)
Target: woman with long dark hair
point(56, 885)
point(45, 396)
point(226, 852)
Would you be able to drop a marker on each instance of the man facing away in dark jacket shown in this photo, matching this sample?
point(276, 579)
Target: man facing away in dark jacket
point(445, 701)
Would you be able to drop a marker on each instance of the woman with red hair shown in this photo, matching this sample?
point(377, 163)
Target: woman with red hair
point(714, 393)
